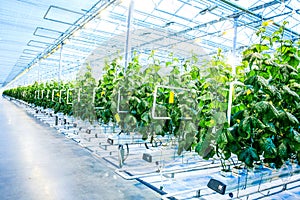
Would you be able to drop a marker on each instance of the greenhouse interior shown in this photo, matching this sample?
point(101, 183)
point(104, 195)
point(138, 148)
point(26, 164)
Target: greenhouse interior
point(149, 99)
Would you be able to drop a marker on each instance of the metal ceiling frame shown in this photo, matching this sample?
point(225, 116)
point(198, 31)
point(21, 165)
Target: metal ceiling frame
point(227, 15)
point(63, 9)
point(78, 24)
point(47, 29)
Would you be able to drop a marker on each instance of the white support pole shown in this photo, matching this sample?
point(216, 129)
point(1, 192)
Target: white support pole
point(60, 64)
point(39, 68)
point(128, 38)
point(231, 87)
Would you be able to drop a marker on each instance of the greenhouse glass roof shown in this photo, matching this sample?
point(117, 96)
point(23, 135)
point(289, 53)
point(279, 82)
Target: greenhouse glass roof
point(47, 39)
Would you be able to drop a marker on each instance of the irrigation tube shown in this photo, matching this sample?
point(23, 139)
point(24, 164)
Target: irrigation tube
point(166, 196)
point(124, 174)
point(283, 185)
point(269, 188)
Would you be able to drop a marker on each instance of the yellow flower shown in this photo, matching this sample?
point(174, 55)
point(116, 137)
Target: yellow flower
point(248, 92)
point(212, 122)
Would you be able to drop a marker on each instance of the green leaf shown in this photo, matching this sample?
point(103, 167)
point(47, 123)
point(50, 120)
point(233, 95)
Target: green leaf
point(262, 47)
point(266, 110)
point(191, 128)
point(204, 148)
point(292, 119)
point(220, 117)
point(168, 63)
point(248, 155)
point(230, 138)
point(290, 92)
point(270, 127)
point(146, 117)
point(258, 82)
point(158, 129)
point(294, 62)
point(275, 38)
point(245, 126)
point(234, 148)
point(180, 147)
point(256, 123)
point(282, 151)
point(222, 139)
point(269, 148)
point(296, 136)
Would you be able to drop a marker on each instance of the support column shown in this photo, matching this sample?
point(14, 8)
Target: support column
point(39, 68)
point(128, 38)
point(231, 87)
point(60, 64)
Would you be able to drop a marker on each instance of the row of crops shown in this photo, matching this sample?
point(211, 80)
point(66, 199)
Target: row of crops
point(190, 101)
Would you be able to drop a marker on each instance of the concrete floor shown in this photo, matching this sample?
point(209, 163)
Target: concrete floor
point(37, 163)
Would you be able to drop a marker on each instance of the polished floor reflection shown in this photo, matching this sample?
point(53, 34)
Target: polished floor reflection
point(37, 163)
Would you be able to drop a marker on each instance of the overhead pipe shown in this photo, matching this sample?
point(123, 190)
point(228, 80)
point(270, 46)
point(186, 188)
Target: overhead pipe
point(242, 10)
point(250, 12)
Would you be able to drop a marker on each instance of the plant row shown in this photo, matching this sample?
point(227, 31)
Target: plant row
point(190, 100)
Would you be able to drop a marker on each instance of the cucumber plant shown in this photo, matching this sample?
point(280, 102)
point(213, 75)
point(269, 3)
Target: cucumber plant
point(265, 121)
point(83, 107)
point(104, 95)
point(213, 84)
